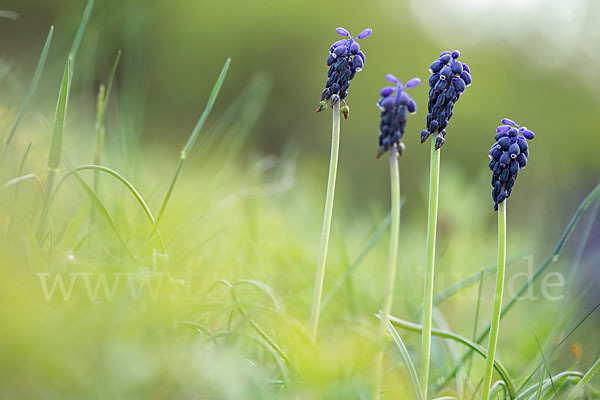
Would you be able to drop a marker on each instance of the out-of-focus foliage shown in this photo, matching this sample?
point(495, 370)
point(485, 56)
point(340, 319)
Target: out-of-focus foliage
point(243, 224)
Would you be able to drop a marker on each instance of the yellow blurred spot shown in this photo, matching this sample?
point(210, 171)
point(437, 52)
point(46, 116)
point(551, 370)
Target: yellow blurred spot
point(576, 351)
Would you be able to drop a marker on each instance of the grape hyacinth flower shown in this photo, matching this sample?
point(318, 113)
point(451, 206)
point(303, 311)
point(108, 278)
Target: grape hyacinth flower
point(508, 155)
point(394, 104)
point(449, 79)
point(345, 60)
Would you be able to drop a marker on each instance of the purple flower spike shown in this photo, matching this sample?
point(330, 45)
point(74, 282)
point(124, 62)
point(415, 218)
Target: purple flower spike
point(394, 110)
point(342, 32)
point(508, 155)
point(365, 34)
point(392, 78)
point(344, 60)
point(414, 82)
point(448, 81)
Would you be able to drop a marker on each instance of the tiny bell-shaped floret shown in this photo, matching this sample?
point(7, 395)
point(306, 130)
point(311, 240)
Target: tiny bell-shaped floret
point(345, 110)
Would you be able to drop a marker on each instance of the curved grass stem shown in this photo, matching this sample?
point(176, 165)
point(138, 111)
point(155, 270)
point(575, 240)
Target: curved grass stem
point(502, 371)
point(588, 375)
point(320, 275)
point(495, 326)
point(434, 185)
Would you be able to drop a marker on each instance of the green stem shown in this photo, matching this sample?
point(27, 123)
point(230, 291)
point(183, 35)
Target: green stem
point(320, 276)
point(394, 235)
point(392, 261)
point(495, 327)
point(434, 185)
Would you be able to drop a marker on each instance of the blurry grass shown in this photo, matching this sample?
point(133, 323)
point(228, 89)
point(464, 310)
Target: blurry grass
point(61, 108)
point(32, 88)
point(223, 315)
point(191, 140)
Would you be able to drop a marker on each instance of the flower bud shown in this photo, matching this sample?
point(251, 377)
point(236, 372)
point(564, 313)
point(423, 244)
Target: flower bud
point(345, 110)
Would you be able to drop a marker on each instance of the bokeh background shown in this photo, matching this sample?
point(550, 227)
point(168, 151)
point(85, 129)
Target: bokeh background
point(535, 61)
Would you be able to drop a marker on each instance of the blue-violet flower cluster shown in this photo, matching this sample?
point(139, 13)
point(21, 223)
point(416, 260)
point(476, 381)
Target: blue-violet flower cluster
point(345, 60)
point(448, 80)
point(508, 155)
point(395, 104)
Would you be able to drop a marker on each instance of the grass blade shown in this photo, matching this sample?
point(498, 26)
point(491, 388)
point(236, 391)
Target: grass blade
point(18, 187)
point(80, 30)
point(414, 378)
point(553, 257)
point(103, 97)
point(192, 139)
point(61, 108)
point(497, 386)
point(563, 340)
point(104, 212)
point(471, 279)
point(476, 321)
point(121, 179)
point(339, 284)
point(546, 370)
point(59, 125)
point(18, 180)
point(556, 378)
point(471, 345)
point(440, 321)
point(32, 88)
point(588, 375)
point(265, 289)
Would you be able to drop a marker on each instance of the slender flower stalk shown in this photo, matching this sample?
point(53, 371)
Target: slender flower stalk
point(333, 164)
point(448, 81)
point(508, 155)
point(394, 109)
point(392, 263)
point(491, 353)
point(432, 211)
point(344, 60)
